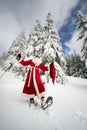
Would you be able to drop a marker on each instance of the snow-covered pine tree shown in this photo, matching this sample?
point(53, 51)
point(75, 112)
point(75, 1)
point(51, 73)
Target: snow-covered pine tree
point(18, 46)
point(3, 57)
point(52, 38)
point(35, 46)
point(53, 49)
point(82, 26)
point(75, 66)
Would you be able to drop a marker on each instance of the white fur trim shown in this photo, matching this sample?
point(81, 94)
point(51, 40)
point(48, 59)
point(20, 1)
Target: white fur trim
point(28, 95)
point(42, 94)
point(30, 76)
point(35, 84)
point(20, 60)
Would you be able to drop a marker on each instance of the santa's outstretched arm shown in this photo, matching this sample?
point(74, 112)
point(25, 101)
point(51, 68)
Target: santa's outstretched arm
point(43, 67)
point(23, 62)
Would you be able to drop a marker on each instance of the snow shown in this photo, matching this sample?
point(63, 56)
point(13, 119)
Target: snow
point(68, 112)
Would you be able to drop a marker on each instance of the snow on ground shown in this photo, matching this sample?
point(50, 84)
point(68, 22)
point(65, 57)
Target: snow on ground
point(69, 110)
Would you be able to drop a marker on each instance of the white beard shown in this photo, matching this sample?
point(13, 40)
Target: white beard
point(37, 61)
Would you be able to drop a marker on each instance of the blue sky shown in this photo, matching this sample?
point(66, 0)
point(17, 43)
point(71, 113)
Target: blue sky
point(70, 26)
point(16, 15)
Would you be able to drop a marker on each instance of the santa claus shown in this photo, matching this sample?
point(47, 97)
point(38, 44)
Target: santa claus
point(33, 84)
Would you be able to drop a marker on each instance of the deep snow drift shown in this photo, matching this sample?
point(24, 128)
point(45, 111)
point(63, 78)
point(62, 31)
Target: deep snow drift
point(68, 112)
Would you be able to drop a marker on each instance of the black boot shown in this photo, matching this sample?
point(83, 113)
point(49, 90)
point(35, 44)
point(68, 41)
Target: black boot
point(31, 101)
point(42, 101)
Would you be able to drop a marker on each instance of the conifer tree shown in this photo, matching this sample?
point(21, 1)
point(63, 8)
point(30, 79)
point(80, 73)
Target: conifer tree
point(75, 66)
point(35, 41)
point(18, 46)
point(53, 48)
point(52, 41)
point(82, 26)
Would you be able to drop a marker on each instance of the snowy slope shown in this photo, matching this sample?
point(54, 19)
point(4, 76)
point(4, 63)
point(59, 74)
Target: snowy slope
point(69, 111)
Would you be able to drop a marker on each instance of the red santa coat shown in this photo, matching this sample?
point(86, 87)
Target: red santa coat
point(33, 84)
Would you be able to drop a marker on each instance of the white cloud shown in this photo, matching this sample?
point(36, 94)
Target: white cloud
point(60, 9)
point(16, 15)
point(73, 44)
point(8, 29)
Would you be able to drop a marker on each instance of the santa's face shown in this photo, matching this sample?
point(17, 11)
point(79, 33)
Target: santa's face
point(37, 60)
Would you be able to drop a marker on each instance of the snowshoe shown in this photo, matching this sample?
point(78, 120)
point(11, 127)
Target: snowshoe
point(48, 103)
